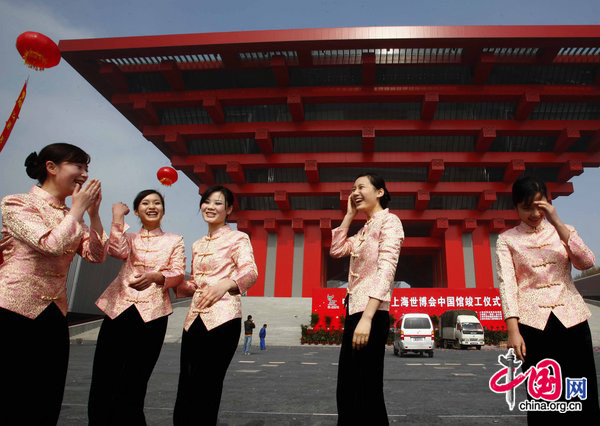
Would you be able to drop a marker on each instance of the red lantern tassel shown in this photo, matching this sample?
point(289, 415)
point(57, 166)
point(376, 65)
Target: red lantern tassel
point(10, 123)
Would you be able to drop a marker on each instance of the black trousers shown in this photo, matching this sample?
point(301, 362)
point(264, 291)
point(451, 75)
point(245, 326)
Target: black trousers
point(360, 374)
point(205, 357)
point(34, 359)
point(572, 349)
point(126, 352)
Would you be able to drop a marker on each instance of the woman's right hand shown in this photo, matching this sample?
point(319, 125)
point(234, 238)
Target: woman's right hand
point(351, 210)
point(515, 341)
point(84, 198)
point(119, 211)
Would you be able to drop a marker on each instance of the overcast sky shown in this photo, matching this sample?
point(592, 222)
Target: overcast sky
point(62, 107)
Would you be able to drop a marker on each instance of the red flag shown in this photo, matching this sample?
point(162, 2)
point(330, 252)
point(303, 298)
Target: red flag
point(10, 123)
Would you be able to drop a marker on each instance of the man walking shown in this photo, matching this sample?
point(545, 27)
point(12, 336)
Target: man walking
point(248, 328)
point(263, 334)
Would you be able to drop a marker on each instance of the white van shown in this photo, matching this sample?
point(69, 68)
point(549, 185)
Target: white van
point(415, 334)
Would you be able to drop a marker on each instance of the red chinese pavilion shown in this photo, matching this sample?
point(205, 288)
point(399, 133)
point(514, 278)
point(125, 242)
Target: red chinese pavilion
point(449, 116)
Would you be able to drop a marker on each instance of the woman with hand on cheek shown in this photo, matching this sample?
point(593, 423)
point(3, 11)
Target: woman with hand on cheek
point(222, 268)
point(40, 237)
point(137, 306)
point(373, 252)
point(545, 315)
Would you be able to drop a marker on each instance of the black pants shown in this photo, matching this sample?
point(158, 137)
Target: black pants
point(360, 374)
point(572, 349)
point(205, 357)
point(126, 352)
point(34, 359)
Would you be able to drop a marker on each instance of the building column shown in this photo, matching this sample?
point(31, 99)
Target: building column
point(284, 266)
point(258, 238)
point(312, 276)
point(482, 255)
point(453, 255)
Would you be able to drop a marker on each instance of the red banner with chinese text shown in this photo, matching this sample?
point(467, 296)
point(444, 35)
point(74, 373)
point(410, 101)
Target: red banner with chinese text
point(10, 123)
point(432, 301)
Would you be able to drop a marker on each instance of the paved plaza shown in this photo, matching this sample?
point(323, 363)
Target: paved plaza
point(296, 386)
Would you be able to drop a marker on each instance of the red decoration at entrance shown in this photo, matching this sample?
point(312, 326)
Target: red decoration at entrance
point(10, 123)
point(38, 51)
point(167, 175)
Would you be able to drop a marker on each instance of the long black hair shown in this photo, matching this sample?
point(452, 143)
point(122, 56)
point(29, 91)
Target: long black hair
point(35, 163)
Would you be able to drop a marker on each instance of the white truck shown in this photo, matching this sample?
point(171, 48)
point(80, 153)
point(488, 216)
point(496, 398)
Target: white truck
point(461, 329)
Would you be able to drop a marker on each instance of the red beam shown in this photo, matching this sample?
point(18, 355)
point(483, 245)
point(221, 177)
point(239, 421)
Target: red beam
point(172, 73)
point(264, 141)
point(395, 188)
point(435, 170)
point(594, 144)
point(429, 106)
point(440, 226)
point(526, 105)
point(566, 138)
point(344, 94)
point(114, 76)
point(381, 127)
point(405, 215)
point(205, 173)
point(498, 224)
point(486, 137)
point(422, 200)
point(236, 172)
point(296, 108)
point(513, 170)
point(471, 37)
point(368, 139)
point(282, 200)
point(469, 225)
point(145, 112)
point(213, 107)
point(368, 68)
point(395, 159)
point(270, 224)
point(175, 143)
point(298, 225)
point(486, 199)
point(344, 194)
point(483, 68)
point(280, 70)
point(311, 168)
point(570, 169)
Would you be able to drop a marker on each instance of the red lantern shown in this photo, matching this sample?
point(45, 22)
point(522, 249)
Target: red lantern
point(167, 175)
point(38, 51)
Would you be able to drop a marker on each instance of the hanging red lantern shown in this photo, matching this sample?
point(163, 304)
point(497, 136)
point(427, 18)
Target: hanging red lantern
point(38, 51)
point(167, 175)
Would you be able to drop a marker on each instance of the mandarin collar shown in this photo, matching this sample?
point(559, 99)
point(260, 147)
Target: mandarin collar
point(49, 198)
point(524, 227)
point(216, 234)
point(144, 233)
point(378, 214)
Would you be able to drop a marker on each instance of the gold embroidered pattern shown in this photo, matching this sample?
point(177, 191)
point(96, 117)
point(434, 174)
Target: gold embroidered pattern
point(551, 306)
point(548, 285)
point(50, 298)
point(540, 246)
point(543, 264)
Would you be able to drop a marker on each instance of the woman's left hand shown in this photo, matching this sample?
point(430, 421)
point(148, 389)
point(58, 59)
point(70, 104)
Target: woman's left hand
point(549, 211)
point(141, 282)
point(93, 209)
point(361, 333)
point(209, 295)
